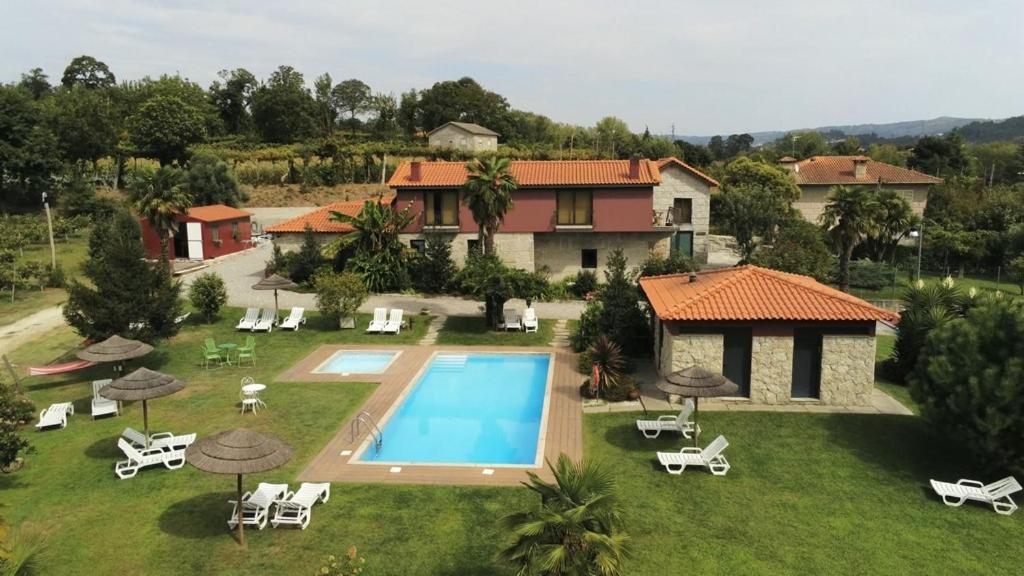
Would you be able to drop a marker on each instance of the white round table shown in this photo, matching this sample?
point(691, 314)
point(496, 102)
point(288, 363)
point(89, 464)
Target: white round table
point(254, 391)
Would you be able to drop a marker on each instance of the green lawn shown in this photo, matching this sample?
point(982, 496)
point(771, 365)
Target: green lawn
point(473, 331)
point(904, 279)
point(70, 256)
point(883, 351)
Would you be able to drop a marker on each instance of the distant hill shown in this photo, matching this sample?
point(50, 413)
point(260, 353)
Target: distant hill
point(992, 130)
point(910, 128)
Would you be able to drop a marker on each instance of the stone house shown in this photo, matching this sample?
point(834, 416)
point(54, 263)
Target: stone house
point(783, 338)
point(463, 136)
point(568, 215)
point(683, 200)
point(817, 174)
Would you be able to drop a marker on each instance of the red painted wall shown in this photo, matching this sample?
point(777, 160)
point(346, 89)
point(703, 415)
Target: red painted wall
point(228, 245)
point(623, 210)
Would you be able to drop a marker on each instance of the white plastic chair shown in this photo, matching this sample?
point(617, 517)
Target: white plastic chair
point(294, 319)
point(530, 322)
point(710, 458)
point(55, 415)
point(297, 507)
point(102, 406)
point(267, 321)
point(394, 323)
point(997, 493)
point(380, 317)
point(248, 322)
point(679, 423)
point(158, 440)
point(512, 321)
point(139, 459)
point(256, 505)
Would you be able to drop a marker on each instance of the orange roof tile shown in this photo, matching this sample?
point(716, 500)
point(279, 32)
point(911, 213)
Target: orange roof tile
point(829, 170)
point(534, 173)
point(216, 213)
point(320, 219)
point(754, 293)
point(677, 162)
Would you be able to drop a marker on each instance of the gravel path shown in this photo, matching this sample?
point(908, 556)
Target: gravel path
point(28, 328)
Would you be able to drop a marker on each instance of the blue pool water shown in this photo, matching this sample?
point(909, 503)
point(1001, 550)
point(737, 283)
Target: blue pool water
point(469, 409)
point(357, 362)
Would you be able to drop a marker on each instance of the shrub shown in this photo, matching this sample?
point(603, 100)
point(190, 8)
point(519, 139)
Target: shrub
point(676, 263)
point(208, 294)
point(350, 564)
point(209, 181)
point(584, 283)
point(306, 261)
point(434, 269)
point(486, 277)
point(607, 356)
point(970, 382)
point(800, 248)
point(338, 296)
point(615, 312)
point(15, 411)
point(925, 308)
point(867, 274)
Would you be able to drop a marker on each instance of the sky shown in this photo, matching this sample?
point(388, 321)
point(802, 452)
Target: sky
point(703, 66)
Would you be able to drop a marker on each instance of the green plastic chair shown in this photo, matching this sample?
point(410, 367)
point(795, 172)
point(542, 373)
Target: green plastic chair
point(247, 351)
point(213, 354)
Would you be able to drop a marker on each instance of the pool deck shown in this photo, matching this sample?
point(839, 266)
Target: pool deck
point(563, 434)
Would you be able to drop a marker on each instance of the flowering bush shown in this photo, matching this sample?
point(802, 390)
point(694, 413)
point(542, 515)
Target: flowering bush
point(348, 565)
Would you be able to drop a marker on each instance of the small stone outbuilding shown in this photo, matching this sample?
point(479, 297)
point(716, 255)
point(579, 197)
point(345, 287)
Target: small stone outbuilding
point(463, 136)
point(783, 338)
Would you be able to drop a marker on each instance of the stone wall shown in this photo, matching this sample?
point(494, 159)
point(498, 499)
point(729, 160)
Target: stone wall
point(677, 183)
point(454, 137)
point(292, 241)
point(683, 350)
point(561, 252)
point(813, 199)
point(515, 249)
point(847, 370)
point(771, 369)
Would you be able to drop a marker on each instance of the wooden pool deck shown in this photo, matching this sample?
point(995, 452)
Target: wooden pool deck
point(562, 432)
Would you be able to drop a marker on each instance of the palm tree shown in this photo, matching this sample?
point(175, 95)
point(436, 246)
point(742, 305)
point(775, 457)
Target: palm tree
point(576, 530)
point(488, 194)
point(851, 214)
point(375, 228)
point(160, 198)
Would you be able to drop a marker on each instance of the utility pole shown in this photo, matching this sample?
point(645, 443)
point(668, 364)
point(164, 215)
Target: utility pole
point(49, 224)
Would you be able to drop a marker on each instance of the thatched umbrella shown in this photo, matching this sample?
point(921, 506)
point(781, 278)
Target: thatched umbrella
point(115, 349)
point(239, 451)
point(696, 382)
point(143, 384)
point(275, 283)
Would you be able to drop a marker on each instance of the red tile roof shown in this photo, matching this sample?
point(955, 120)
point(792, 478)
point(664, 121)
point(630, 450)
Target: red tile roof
point(697, 173)
point(754, 293)
point(830, 170)
point(216, 213)
point(534, 173)
point(320, 219)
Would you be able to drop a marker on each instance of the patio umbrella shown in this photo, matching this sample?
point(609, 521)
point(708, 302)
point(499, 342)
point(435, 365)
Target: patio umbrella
point(696, 382)
point(239, 451)
point(115, 349)
point(275, 283)
point(143, 384)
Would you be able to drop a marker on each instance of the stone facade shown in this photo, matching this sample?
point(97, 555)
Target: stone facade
point(515, 249)
point(814, 197)
point(452, 136)
point(684, 350)
point(847, 370)
point(561, 252)
point(678, 183)
point(771, 369)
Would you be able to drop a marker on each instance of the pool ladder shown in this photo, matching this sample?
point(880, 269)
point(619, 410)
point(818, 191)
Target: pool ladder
point(364, 418)
point(450, 361)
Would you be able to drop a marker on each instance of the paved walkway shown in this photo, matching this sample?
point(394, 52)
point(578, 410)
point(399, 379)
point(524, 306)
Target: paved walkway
point(560, 334)
point(435, 326)
point(28, 328)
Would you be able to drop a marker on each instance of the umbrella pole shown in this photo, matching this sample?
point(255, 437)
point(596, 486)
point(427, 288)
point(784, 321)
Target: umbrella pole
point(145, 421)
point(696, 430)
point(275, 303)
point(241, 514)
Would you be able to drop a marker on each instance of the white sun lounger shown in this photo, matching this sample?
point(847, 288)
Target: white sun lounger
point(530, 321)
point(667, 423)
point(380, 318)
point(294, 320)
point(296, 507)
point(710, 457)
point(997, 493)
point(138, 459)
point(55, 415)
point(256, 505)
point(512, 321)
point(267, 321)
point(158, 440)
point(248, 322)
point(102, 406)
point(394, 323)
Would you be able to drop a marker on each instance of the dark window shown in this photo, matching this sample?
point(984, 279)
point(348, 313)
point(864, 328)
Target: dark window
point(682, 211)
point(234, 230)
point(441, 207)
point(575, 207)
point(215, 232)
point(588, 258)
point(418, 245)
point(473, 244)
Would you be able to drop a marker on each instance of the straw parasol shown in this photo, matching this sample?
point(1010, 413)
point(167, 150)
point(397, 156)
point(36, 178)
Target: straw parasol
point(115, 349)
point(143, 384)
point(239, 451)
point(275, 283)
point(696, 382)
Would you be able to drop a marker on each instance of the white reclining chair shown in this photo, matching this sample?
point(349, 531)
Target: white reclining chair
point(380, 318)
point(710, 458)
point(248, 322)
point(296, 507)
point(512, 321)
point(294, 320)
point(158, 440)
point(530, 322)
point(138, 459)
point(997, 493)
point(267, 321)
point(256, 505)
point(679, 423)
point(55, 415)
point(102, 406)
point(394, 323)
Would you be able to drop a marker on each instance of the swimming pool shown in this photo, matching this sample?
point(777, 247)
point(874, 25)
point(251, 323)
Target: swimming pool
point(476, 409)
point(358, 362)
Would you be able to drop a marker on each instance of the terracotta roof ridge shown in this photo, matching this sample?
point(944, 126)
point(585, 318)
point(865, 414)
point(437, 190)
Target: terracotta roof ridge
point(810, 284)
point(734, 275)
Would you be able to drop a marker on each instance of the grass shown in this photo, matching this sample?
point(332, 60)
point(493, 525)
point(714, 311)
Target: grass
point(473, 331)
point(904, 279)
point(70, 256)
point(883, 352)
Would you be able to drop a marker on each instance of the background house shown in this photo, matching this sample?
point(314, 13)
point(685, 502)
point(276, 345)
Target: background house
point(817, 174)
point(567, 215)
point(204, 232)
point(463, 136)
point(782, 338)
point(290, 234)
point(683, 201)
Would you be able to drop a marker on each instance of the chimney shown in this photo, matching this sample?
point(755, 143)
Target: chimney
point(634, 168)
point(693, 277)
point(789, 163)
point(860, 167)
point(415, 170)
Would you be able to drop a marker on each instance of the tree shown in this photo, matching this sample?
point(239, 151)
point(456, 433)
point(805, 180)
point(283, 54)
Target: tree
point(160, 197)
point(353, 97)
point(37, 83)
point(123, 288)
point(208, 294)
point(88, 72)
point(164, 127)
point(801, 144)
point(851, 214)
point(612, 135)
point(939, 155)
point(16, 410)
point(487, 278)
point(887, 153)
point(326, 104)
point(339, 296)
point(379, 256)
point(232, 96)
point(799, 248)
point(461, 100)
point(385, 122)
point(29, 157)
point(434, 269)
point(756, 199)
point(694, 154)
point(84, 123)
point(737, 144)
point(970, 381)
point(716, 146)
point(308, 259)
point(1016, 269)
point(895, 219)
point(282, 108)
point(209, 181)
point(577, 528)
point(488, 194)
point(924, 308)
point(409, 113)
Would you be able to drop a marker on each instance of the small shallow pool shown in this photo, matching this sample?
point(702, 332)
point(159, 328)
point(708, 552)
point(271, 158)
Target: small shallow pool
point(358, 362)
point(477, 409)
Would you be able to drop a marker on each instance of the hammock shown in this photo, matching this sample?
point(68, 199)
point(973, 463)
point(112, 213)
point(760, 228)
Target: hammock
point(59, 368)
